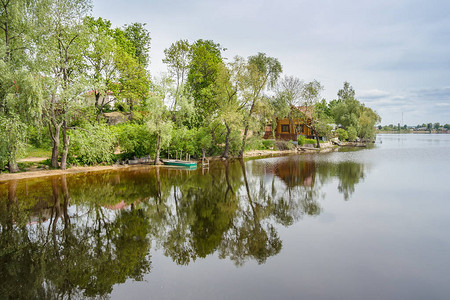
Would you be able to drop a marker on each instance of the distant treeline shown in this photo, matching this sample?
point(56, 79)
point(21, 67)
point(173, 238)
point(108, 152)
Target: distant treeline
point(419, 127)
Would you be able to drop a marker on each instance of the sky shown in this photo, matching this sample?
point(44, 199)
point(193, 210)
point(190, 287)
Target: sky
point(395, 54)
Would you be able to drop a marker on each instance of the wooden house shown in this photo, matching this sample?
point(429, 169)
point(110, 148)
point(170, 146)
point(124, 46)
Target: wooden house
point(291, 128)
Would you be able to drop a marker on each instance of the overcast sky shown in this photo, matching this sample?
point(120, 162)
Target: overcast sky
point(395, 54)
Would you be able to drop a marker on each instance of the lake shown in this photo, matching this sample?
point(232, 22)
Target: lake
point(366, 224)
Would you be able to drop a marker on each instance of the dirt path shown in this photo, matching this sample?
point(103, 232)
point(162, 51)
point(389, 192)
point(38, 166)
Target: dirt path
point(32, 159)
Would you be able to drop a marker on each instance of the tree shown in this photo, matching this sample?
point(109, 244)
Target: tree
point(158, 119)
point(139, 37)
point(313, 118)
point(101, 54)
point(367, 120)
point(61, 51)
point(288, 96)
point(206, 57)
point(134, 80)
point(20, 89)
point(436, 126)
point(261, 72)
point(227, 87)
point(177, 58)
point(346, 110)
point(349, 112)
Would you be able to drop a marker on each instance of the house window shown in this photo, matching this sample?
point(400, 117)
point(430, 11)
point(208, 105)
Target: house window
point(284, 128)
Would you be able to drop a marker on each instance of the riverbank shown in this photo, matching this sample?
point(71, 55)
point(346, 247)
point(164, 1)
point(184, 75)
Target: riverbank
point(325, 148)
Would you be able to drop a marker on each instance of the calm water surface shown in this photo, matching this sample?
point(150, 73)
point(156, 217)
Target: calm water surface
point(369, 224)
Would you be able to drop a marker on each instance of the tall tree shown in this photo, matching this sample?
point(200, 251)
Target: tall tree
point(158, 119)
point(177, 58)
point(203, 71)
point(134, 79)
point(61, 52)
point(101, 54)
point(20, 92)
point(311, 117)
point(287, 98)
point(140, 39)
point(262, 72)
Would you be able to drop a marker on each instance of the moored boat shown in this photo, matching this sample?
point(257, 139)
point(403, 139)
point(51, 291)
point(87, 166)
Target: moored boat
point(180, 163)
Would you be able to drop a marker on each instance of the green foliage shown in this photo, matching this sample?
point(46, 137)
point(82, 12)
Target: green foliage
point(302, 140)
point(269, 144)
point(12, 138)
point(352, 133)
point(203, 71)
point(284, 145)
point(349, 112)
point(342, 134)
point(139, 37)
point(95, 144)
point(254, 143)
point(135, 140)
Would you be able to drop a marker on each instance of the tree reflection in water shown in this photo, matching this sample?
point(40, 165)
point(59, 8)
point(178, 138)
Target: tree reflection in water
point(78, 236)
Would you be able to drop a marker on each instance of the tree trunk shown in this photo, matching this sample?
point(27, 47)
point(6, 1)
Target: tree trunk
point(158, 148)
point(55, 148)
point(244, 138)
point(66, 141)
point(227, 142)
point(131, 109)
point(317, 139)
point(12, 165)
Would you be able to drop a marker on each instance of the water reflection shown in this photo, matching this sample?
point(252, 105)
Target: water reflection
point(78, 236)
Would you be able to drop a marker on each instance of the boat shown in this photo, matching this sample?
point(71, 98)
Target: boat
point(180, 163)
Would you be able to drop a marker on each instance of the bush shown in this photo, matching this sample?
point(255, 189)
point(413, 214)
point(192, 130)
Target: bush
point(342, 134)
point(352, 134)
point(254, 143)
point(269, 144)
point(135, 140)
point(301, 140)
point(93, 145)
point(284, 145)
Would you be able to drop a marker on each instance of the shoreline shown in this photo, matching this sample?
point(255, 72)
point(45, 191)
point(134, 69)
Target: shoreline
point(325, 148)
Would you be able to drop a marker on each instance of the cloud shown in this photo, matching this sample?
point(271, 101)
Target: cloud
point(372, 94)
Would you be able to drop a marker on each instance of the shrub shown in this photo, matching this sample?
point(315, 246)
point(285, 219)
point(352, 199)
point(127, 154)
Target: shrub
point(301, 140)
point(352, 134)
point(93, 145)
point(135, 140)
point(268, 144)
point(342, 134)
point(284, 145)
point(254, 143)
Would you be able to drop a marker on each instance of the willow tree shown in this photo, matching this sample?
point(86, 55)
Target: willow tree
point(20, 92)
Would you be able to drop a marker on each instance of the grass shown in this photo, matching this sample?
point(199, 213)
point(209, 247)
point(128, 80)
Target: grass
point(37, 152)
